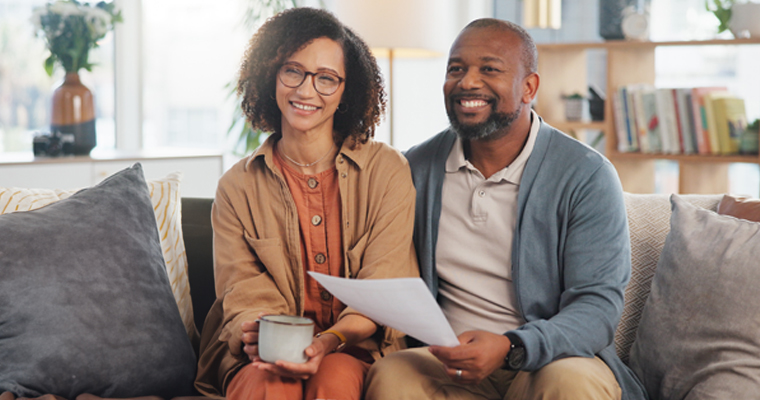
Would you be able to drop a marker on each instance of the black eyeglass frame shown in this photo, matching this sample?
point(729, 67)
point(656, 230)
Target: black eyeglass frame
point(306, 75)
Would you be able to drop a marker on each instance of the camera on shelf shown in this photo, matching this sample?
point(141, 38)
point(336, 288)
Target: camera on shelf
point(53, 144)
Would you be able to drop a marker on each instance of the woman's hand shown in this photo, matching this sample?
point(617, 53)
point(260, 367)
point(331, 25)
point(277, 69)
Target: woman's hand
point(250, 338)
point(316, 351)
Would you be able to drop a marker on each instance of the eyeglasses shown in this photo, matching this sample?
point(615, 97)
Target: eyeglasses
point(325, 83)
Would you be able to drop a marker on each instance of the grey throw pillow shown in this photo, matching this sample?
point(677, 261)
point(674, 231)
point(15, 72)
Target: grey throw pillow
point(85, 302)
point(698, 337)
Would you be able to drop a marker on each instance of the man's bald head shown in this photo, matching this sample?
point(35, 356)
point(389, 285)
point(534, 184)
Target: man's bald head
point(529, 51)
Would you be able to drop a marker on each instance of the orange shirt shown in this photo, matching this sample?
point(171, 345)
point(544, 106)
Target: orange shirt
point(317, 199)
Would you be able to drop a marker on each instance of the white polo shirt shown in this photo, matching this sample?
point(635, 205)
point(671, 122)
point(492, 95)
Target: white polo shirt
point(474, 249)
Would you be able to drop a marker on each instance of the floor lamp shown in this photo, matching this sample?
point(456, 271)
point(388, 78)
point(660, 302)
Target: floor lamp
point(395, 29)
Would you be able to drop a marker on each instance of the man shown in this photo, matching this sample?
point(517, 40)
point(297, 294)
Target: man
point(521, 234)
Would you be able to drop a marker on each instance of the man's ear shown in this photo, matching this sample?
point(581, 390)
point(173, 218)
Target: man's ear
point(530, 87)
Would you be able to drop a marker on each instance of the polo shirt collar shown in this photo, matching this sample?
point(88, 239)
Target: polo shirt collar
point(513, 172)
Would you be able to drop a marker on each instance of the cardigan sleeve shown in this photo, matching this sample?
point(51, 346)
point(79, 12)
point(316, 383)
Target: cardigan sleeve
point(577, 297)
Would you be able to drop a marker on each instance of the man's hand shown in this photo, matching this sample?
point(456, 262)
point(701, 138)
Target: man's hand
point(478, 355)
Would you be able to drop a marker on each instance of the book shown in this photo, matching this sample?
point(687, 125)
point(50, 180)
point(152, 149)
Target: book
point(666, 116)
point(622, 127)
point(651, 120)
point(712, 130)
point(730, 122)
point(637, 113)
point(699, 118)
point(682, 100)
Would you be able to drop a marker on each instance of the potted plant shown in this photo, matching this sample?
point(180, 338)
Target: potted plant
point(748, 142)
point(744, 19)
point(71, 29)
point(574, 106)
point(722, 10)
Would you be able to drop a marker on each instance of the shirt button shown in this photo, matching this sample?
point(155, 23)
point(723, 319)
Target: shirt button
point(325, 295)
point(482, 193)
point(343, 175)
point(340, 160)
point(316, 220)
point(320, 258)
point(313, 183)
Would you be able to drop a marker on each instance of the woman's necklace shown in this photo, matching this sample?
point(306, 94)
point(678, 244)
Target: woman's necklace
point(309, 164)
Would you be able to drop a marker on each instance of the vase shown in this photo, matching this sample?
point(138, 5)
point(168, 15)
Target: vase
point(743, 22)
point(73, 112)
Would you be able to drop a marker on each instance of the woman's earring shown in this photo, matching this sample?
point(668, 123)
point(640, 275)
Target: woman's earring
point(342, 108)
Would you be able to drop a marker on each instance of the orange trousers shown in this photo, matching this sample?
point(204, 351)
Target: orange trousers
point(340, 377)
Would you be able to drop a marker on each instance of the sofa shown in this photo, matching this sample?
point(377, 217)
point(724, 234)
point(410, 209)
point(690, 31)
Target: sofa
point(650, 220)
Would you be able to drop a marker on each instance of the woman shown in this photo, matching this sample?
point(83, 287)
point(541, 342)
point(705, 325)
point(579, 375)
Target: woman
point(319, 195)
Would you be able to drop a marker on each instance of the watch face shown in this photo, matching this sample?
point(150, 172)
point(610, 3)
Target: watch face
point(515, 357)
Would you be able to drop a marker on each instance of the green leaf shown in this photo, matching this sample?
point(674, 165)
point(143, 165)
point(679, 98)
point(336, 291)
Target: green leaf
point(49, 65)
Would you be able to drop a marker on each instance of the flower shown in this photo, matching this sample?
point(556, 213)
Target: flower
point(71, 29)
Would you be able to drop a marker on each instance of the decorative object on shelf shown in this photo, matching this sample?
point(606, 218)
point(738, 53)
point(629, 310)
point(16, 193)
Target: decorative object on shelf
point(748, 143)
point(635, 25)
point(73, 113)
point(596, 103)
point(744, 20)
point(542, 14)
point(575, 105)
point(71, 29)
point(612, 16)
point(52, 144)
point(722, 11)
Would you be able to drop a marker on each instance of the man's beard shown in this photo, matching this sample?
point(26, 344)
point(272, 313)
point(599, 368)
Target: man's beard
point(496, 126)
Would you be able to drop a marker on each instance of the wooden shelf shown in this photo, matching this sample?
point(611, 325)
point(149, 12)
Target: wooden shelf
point(563, 71)
point(574, 126)
point(752, 159)
point(628, 44)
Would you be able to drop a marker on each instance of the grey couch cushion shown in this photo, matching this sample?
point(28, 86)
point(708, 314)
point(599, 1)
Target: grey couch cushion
point(86, 302)
point(698, 336)
point(649, 224)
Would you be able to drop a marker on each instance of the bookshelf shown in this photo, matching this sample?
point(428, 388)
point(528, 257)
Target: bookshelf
point(562, 67)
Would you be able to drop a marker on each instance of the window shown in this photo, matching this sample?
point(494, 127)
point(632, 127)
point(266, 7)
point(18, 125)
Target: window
point(191, 52)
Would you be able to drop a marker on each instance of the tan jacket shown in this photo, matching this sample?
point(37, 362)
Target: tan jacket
point(257, 251)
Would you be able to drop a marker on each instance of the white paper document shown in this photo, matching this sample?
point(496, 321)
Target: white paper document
point(405, 304)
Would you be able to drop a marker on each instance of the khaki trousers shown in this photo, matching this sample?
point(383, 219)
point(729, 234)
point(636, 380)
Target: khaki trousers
point(416, 374)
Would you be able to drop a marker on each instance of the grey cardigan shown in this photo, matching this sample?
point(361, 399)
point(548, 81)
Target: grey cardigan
point(571, 249)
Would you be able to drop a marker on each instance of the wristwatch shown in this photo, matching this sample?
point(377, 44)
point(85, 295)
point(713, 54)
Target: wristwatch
point(337, 334)
point(516, 355)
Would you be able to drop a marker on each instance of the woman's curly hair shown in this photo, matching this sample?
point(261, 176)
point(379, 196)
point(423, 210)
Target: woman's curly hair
point(290, 31)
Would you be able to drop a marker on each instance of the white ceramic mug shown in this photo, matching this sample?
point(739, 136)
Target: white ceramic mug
point(284, 337)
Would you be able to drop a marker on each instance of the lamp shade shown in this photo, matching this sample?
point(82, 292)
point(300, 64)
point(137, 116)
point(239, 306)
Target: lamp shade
point(409, 27)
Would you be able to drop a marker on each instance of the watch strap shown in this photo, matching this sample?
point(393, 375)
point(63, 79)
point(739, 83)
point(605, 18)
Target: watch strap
point(337, 334)
point(516, 356)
